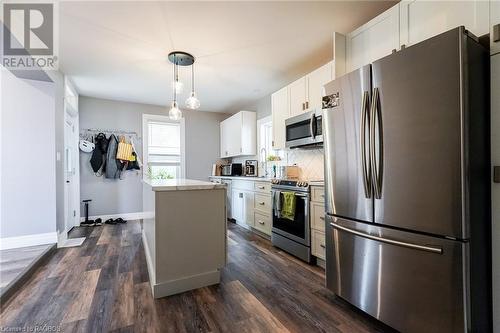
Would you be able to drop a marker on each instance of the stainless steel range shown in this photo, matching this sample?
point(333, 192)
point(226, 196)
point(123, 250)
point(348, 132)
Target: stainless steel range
point(293, 236)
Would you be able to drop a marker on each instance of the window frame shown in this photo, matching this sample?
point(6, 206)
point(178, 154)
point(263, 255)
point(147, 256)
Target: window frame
point(146, 119)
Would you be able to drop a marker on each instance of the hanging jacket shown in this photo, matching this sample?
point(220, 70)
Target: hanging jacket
point(98, 159)
point(113, 166)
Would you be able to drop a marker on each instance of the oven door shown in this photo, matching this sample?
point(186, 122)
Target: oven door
point(305, 129)
point(299, 229)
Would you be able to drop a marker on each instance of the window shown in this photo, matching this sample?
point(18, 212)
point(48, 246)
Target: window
point(163, 147)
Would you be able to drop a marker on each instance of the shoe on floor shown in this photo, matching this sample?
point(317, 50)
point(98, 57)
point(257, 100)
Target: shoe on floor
point(120, 220)
point(110, 221)
point(98, 221)
point(89, 223)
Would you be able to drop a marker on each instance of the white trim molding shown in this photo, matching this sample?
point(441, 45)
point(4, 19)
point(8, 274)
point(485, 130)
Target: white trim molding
point(28, 240)
point(126, 216)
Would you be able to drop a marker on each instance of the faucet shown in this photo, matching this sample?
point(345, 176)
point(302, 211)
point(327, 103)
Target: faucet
point(265, 160)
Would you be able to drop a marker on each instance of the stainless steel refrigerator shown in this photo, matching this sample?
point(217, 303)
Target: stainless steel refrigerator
point(407, 179)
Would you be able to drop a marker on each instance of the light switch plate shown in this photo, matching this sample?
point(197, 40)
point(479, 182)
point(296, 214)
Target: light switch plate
point(496, 174)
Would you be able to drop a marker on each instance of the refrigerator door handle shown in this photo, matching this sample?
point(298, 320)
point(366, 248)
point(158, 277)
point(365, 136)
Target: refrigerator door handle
point(365, 103)
point(426, 248)
point(376, 118)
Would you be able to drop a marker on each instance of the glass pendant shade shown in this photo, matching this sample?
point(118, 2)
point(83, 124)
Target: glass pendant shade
point(192, 102)
point(175, 113)
point(178, 86)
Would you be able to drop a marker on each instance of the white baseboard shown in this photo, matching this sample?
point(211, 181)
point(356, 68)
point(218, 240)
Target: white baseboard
point(126, 216)
point(173, 287)
point(28, 240)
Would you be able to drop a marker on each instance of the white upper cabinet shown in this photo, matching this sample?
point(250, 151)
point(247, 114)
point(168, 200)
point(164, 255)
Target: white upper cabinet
point(280, 111)
point(306, 93)
point(238, 135)
point(373, 40)
point(494, 21)
point(422, 19)
point(297, 92)
point(315, 82)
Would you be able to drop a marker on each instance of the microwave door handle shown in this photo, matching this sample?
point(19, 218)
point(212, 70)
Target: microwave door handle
point(311, 125)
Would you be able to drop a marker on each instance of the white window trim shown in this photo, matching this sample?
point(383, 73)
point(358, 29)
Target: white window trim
point(145, 135)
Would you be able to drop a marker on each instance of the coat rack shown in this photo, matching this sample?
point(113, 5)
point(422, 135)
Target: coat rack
point(86, 132)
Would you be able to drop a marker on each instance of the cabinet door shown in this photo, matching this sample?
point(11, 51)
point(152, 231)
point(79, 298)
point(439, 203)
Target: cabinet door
point(494, 20)
point(233, 135)
point(280, 111)
point(223, 140)
point(373, 40)
point(421, 19)
point(248, 133)
point(237, 201)
point(297, 96)
point(248, 208)
point(315, 82)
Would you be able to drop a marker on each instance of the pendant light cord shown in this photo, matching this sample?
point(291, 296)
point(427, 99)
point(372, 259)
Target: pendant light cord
point(175, 80)
point(192, 79)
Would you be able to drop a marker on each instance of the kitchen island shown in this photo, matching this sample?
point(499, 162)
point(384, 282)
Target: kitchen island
point(184, 235)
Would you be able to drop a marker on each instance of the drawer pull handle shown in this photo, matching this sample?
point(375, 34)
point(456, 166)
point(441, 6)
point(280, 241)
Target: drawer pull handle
point(322, 245)
point(261, 222)
point(322, 218)
point(432, 249)
point(261, 187)
point(262, 203)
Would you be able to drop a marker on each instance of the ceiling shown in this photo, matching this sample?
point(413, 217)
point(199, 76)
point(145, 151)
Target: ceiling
point(244, 50)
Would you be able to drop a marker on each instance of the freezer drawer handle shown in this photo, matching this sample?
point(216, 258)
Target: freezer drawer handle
point(388, 240)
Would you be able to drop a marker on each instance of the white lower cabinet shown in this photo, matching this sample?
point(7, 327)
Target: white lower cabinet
point(317, 214)
point(251, 204)
point(318, 244)
point(263, 222)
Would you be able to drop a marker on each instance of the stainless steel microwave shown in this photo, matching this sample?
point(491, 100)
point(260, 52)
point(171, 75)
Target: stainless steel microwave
point(304, 130)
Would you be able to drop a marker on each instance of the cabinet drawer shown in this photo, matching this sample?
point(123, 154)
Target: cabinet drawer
point(318, 216)
point(264, 187)
point(262, 223)
point(242, 185)
point(262, 203)
point(318, 193)
point(318, 244)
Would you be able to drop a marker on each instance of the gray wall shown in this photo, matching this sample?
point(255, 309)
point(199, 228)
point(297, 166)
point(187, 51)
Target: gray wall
point(28, 199)
point(125, 196)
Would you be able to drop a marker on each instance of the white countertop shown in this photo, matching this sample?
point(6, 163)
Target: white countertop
point(181, 184)
point(262, 179)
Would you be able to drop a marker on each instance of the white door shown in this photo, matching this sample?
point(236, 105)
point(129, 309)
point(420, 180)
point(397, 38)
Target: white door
point(315, 82)
point(422, 19)
point(71, 198)
point(280, 111)
point(297, 96)
point(373, 40)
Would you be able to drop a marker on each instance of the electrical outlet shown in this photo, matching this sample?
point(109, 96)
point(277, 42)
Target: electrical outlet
point(496, 174)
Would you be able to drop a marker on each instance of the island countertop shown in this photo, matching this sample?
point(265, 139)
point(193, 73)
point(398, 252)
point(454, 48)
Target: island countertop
point(180, 184)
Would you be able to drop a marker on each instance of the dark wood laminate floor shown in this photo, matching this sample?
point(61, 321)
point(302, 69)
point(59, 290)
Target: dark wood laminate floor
point(103, 286)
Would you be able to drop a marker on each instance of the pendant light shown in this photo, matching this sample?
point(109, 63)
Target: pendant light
point(175, 113)
point(192, 102)
point(180, 58)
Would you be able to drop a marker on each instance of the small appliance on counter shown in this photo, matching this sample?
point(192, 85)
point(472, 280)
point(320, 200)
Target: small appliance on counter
point(233, 169)
point(251, 168)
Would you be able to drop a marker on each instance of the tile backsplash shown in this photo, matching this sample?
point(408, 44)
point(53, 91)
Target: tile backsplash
point(309, 161)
